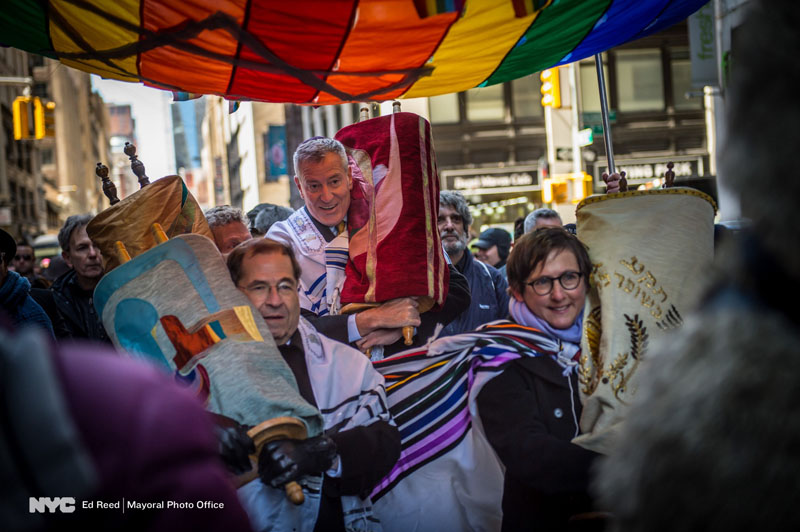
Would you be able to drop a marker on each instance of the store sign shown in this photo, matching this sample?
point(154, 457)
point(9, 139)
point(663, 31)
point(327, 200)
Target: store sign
point(489, 180)
point(638, 171)
point(702, 47)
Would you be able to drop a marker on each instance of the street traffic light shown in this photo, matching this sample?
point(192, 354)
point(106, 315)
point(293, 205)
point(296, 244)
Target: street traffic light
point(554, 190)
point(22, 117)
point(551, 90)
point(44, 119)
point(33, 118)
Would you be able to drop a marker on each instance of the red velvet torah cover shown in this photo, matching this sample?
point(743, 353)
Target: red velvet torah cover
point(395, 249)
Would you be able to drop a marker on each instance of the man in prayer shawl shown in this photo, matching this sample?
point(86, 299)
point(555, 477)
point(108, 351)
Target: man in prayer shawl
point(317, 234)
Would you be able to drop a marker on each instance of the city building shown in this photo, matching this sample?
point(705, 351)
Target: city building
point(81, 137)
point(492, 142)
point(24, 211)
point(122, 129)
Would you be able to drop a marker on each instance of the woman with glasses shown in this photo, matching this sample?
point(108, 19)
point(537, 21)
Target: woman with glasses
point(530, 411)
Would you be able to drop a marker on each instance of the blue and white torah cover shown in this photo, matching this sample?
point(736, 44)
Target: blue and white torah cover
point(651, 252)
point(176, 306)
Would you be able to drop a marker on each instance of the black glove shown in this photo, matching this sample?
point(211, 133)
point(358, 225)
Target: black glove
point(282, 461)
point(235, 448)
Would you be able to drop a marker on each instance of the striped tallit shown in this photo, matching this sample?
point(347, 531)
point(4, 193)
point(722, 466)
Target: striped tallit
point(448, 477)
point(322, 263)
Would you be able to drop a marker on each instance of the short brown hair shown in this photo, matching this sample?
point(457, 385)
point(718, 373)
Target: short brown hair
point(258, 246)
point(533, 248)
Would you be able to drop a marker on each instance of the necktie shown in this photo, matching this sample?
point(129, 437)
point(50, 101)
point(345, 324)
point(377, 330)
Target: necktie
point(340, 227)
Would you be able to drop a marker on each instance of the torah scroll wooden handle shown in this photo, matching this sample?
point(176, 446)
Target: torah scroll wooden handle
point(109, 189)
point(276, 429)
point(136, 165)
point(408, 335)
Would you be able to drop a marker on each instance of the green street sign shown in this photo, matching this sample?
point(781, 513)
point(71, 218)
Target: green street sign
point(596, 119)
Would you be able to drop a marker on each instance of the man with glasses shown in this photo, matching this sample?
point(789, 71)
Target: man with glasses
point(361, 442)
point(25, 263)
point(487, 285)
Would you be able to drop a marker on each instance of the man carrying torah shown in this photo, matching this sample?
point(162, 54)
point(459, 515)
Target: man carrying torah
point(373, 207)
point(360, 443)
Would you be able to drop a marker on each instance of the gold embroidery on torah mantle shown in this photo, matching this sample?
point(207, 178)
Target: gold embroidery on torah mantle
point(651, 252)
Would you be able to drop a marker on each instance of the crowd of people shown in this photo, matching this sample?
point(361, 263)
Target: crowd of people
point(701, 469)
point(277, 271)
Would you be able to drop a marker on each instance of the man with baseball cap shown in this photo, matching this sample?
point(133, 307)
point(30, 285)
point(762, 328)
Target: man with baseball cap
point(493, 246)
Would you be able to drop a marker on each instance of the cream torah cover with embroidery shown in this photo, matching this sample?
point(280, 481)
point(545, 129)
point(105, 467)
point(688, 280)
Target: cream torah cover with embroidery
point(651, 251)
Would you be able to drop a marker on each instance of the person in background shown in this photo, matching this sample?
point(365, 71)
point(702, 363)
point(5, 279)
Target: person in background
point(487, 286)
point(263, 215)
point(15, 298)
point(229, 227)
point(541, 218)
point(74, 313)
point(55, 269)
point(519, 228)
point(25, 263)
point(493, 247)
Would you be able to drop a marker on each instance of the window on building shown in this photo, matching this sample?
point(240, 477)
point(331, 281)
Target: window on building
point(486, 104)
point(444, 109)
point(47, 156)
point(681, 72)
point(640, 85)
point(526, 96)
point(590, 92)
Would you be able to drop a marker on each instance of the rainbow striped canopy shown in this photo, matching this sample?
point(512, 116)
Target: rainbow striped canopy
point(327, 51)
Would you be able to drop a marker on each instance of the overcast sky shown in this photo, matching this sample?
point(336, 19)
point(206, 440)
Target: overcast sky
point(151, 110)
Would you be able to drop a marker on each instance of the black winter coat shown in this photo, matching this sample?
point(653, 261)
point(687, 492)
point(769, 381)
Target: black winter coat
point(77, 317)
point(530, 413)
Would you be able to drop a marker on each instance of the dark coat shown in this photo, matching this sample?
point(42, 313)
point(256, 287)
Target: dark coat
point(367, 453)
point(16, 301)
point(77, 317)
point(489, 291)
point(530, 414)
point(458, 299)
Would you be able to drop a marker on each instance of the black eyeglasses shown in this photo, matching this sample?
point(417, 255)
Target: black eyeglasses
point(23, 257)
point(544, 285)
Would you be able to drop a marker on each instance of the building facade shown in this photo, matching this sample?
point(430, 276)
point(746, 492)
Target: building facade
point(24, 211)
point(492, 142)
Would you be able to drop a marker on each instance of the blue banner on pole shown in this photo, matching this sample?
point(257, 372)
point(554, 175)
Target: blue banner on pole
point(275, 148)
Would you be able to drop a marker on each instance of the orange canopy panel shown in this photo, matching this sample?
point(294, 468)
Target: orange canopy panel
point(327, 51)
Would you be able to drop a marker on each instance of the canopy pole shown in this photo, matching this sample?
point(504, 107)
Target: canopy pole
point(601, 81)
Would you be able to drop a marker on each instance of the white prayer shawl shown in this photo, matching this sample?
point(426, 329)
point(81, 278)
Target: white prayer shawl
point(349, 393)
point(322, 263)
